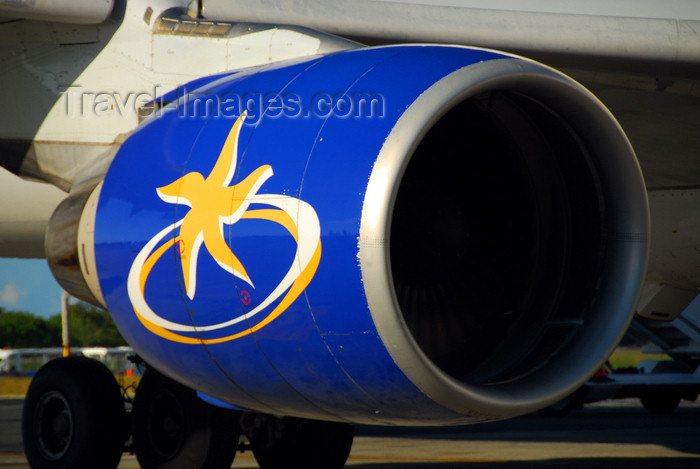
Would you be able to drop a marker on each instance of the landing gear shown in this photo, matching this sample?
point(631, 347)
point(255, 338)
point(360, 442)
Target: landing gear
point(660, 402)
point(73, 416)
point(292, 443)
point(174, 429)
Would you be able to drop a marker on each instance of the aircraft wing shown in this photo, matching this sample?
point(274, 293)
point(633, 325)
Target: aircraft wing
point(625, 34)
point(65, 11)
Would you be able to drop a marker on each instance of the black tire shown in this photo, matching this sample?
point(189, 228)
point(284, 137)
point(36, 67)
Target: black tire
point(174, 429)
point(660, 402)
point(73, 416)
point(294, 443)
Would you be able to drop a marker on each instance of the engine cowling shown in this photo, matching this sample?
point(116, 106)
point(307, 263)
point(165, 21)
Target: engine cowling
point(405, 234)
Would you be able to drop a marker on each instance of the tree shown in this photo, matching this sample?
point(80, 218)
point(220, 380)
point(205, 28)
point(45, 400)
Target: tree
point(20, 329)
point(92, 326)
point(89, 326)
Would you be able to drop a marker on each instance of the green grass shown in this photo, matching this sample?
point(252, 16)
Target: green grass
point(12, 386)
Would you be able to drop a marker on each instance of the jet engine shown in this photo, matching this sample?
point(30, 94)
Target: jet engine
point(412, 234)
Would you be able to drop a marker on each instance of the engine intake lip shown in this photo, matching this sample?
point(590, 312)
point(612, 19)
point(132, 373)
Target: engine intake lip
point(626, 227)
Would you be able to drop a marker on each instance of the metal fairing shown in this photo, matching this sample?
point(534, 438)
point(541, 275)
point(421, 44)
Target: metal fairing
point(227, 246)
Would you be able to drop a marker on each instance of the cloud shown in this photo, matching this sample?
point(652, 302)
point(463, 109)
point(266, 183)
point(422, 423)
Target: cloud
point(11, 294)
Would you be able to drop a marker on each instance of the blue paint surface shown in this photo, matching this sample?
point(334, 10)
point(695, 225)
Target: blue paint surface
point(322, 357)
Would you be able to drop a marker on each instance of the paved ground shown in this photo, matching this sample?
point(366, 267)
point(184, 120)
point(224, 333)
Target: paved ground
point(619, 435)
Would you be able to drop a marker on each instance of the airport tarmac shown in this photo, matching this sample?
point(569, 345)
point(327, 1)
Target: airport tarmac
point(614, 434)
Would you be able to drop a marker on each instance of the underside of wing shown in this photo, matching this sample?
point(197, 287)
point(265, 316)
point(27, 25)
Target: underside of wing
point(64, 11)
point(626, 33)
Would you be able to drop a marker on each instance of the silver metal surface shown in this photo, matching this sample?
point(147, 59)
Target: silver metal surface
point(666, 35)
point(65, 11)
point(64, 252)
point(25, 208)
point(623, 190)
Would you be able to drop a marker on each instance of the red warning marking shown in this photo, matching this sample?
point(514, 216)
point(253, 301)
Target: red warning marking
point(245, 297)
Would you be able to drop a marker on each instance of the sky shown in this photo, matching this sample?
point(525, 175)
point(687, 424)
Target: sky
point(27, 285)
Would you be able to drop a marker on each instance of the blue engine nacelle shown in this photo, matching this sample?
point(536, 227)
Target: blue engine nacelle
point(393, 235)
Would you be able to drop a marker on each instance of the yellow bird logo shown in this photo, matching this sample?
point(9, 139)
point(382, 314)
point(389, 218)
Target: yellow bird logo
point(213, 203)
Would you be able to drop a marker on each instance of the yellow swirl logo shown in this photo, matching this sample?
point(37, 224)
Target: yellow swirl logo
point(213, 203)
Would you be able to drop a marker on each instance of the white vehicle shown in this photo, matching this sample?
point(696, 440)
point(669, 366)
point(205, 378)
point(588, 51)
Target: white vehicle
point(24, 361)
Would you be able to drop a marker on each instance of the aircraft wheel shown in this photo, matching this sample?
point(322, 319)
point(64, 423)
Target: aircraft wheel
point(660, 402)
point(73, 416)
point(290, 443)
point(175, 429)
